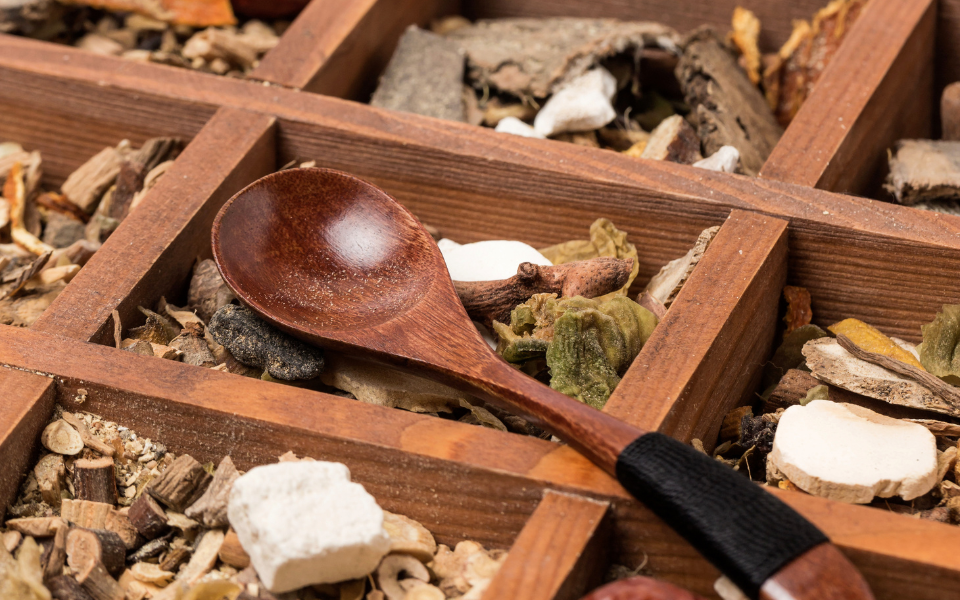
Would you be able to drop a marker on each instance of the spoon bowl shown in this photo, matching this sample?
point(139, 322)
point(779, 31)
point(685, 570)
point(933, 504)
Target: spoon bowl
point(336, 262)
point(324, 250)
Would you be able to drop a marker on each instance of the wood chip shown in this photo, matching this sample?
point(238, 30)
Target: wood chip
point(37, 527)
point(181, 484)
point(83, 513)
point(666, 285)
point(232, 553)
point(211, 508)
point(673, 141)
point(85, 186)
point(148, 517)
point(62, 438)
point(924, 171)
point(85, 546)
point(50, 473)
point(93, 480)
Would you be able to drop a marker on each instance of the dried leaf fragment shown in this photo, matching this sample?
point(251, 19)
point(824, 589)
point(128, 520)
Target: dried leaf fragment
point(605, 240)
point(666, 285)
point(746, 32)
point(799, 312)
point(871, 340)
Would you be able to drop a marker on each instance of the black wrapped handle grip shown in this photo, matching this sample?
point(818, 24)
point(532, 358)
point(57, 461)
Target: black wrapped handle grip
point(744, 531)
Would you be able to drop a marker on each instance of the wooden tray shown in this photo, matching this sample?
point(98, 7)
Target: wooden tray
point(859, 258)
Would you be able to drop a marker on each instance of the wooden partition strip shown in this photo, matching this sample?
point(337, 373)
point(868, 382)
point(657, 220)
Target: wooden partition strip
point(461, 481)
point(876, 90)
point(562, 552)
point(174, 220)
point(843, 248)
point(707, 353)
point(337, 47)
point(26, 407)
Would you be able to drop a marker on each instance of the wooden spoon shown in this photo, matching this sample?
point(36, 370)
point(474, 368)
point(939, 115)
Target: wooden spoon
point(337, 262)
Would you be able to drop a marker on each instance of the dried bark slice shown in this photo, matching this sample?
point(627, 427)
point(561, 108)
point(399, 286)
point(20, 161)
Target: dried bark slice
point(208, 292)
point(174, 558)
point(65, 587)
point(118, 521)
point(424, 77)
point(85, 186)
point(729, 110)
point(148, 517)
point(673, 141)
point(666, 285)
point(36, 526)
point(98, 583)
point(134, 169)
point(536, 57)
point(488, 301)
point(85, 546)
point(61, 438)
point(93, 480)
point(181, 484)
point(923, 171)
point(409, 536)
point(232, 553)
point(831, 363)
point(55, 554)
point(211, 508)
point(193, 345)
point(50, 473)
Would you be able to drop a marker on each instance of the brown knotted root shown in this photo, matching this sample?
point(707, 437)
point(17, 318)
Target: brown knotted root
point(488, 301)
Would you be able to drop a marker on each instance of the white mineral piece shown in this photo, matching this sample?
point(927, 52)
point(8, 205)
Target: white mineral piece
point(851, 454)
point(305, 523)
point(488, 261)
point(583, 105)
point(515, 126)
point(724, 160)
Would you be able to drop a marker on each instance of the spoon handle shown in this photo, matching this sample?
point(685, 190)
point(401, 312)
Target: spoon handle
point(761, 544)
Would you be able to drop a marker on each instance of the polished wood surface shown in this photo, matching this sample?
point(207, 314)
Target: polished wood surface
point(640, 588)
point(562, 551)
point(834, 579)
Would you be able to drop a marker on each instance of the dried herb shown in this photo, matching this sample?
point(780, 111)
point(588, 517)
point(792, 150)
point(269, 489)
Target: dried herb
point(871, 340)
point(588, 344)
point(799, 312)
point(941, 342)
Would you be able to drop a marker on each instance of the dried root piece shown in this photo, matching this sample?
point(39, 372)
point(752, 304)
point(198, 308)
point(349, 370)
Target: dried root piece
point(796, 68)
point(50, 473)
point(673, 141)
point(89, 440)
point(15, 193)
point(61, 438)
point(799, 312)
point(605, 241)
point(729, 110)
point(488, 301)
point(182, 484)
point(666, 285)
point(746, 32)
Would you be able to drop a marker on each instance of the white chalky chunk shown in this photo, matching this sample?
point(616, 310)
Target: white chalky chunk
point(515, 126)
point(851, 454)
point(723, 160)
point(583, 105)
point(304, 523)
point(488, 261)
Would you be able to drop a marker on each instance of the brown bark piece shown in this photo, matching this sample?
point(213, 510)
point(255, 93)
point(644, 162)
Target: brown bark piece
point(118, 522)
point(488, 301)
point(91, 515)
point(192, 343)
point(37, 527)
point(211, 508)
point(424, 77)
point(148, 517)
point(536, 57)
point(673, 141)
point(174, 558)
point(89, 440)
point(58, 203)
point(98, 583)
point(26, 275)
point(50, 473)
point(729, 110)
point(181, 484)
point(85, 186)
point(799, 312)
point(208, 292)
point(924, 170)
point(65, 587)
point(950, 112)
point(730, 429)
point(666, 285)
point(134, 169)
point(85, 546)
point(793, 72)
point(232, 553)
point(55, 555)
point(93, 480)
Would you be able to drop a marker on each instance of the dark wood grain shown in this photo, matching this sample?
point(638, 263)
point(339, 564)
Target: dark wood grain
point(562, 551)
point(705, 356)
point(153, 251)
point(877, 89)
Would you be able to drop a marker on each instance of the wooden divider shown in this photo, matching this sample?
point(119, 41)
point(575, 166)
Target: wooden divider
point(876, 90)
point(27, 403)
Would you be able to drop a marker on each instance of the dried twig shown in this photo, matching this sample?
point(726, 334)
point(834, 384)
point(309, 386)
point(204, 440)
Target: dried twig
point(488, 301)
point(945, 391)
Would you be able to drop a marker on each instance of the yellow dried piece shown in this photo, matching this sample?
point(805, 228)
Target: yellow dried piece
point(871, 340)
point(214, 590)
point(15, 192)
point(22, 578)
point(636, 150)
point(605, 240)
point(746, 31)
